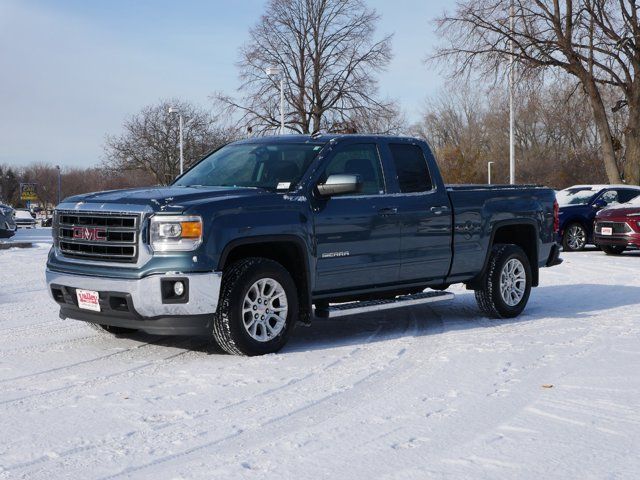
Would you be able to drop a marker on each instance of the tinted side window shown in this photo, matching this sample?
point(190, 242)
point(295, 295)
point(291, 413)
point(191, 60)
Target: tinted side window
point(626, 195)
point(411, 167)
point(362, 160)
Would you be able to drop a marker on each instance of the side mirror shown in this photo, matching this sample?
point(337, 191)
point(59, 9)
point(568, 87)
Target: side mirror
point(340, 185)
point(599, 204)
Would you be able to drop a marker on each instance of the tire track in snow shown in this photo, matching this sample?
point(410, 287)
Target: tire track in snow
point(79, 363)
point(357, 395)
point(376, 336)
point(30, 349)
point(92, 381)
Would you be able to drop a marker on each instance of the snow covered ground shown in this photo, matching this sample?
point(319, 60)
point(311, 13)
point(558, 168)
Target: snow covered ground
point(429, 392)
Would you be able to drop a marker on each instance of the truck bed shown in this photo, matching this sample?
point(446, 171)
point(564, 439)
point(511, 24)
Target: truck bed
point(478, 210)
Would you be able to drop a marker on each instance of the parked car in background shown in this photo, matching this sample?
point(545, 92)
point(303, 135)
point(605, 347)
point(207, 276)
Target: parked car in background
point(23, 218)
point(618, 229)
point(7, 225)
point(578, 208)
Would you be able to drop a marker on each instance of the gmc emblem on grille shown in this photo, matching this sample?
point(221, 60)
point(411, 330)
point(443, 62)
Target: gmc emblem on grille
point(94, 234)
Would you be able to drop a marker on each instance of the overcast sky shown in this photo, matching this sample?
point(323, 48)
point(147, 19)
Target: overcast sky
point(72, 70)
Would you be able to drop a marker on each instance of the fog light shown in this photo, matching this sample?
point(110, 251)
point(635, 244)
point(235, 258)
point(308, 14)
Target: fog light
point(178, 289)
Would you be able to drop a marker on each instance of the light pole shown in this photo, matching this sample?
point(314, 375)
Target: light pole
point(179, 113)
point(59, 184)
point(274, 72)
point(489, 172)
point(512, 150)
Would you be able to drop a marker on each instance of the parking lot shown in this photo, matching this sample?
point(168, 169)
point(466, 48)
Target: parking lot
point(35, 235)
point(428, 392)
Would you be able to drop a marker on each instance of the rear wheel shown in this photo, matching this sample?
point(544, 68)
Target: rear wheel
point(507, 283)
point(613, 249)
point(258, 308)
point(575, 238)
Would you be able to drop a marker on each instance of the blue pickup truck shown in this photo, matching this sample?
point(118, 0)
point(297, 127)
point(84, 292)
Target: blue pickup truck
point(269, 232)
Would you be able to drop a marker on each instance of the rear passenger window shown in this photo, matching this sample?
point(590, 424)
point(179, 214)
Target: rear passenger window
point(625, 196)
point(411, 167)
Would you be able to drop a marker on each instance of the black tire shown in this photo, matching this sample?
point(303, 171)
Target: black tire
point(229, 331)
point(113, 330)
point(568, 243)
point(489, 297)
point(613, 249)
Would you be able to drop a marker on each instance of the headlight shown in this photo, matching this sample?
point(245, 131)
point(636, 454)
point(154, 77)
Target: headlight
point(177, 233)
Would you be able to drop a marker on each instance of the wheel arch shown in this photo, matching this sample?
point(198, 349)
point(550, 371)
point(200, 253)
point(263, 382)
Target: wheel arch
point(521, 232)
point(288, 250)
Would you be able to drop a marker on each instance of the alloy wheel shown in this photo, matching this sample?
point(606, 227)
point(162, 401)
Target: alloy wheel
point(576, 237)
point(264, 310)
point(513, 281)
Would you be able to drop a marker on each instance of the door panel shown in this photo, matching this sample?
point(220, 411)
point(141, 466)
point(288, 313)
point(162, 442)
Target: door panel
point(358, 243)
point(426, 236)
point(425, 217)
point(357, 235)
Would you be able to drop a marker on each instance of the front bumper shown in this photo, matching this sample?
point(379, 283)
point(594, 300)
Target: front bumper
point(6, 230)
point(138, 303)
point(618, 240)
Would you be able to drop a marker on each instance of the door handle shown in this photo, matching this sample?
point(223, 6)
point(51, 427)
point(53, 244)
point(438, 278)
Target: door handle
point(385, 212)
point(439, 210)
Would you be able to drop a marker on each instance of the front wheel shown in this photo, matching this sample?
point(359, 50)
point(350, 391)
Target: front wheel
point(507, 283)
point(575, 238)
point(613, 249)
point(257, 309)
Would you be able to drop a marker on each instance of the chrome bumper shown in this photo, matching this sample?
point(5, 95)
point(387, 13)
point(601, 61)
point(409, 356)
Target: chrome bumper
point(204, 290)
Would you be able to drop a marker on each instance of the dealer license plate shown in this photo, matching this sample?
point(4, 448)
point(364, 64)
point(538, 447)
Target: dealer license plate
point(88, 300)
point(606, 231)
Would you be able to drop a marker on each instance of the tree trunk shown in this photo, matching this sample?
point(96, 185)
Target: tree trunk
point(632, 144)
point(604, 131)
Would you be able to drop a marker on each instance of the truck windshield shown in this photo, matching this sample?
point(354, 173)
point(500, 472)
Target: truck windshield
point(575, 196)
point(272, 166)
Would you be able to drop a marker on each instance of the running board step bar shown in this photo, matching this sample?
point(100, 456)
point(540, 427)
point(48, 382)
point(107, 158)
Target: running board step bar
point(354, 308)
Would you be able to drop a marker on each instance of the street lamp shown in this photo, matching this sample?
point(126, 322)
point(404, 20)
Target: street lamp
point(512, 150)
point(59, 184)
point(179, 113)
point(275, 72)
point(489, 172)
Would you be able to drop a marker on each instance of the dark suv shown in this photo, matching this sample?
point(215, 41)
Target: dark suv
point(579, 205)
point(7, 224)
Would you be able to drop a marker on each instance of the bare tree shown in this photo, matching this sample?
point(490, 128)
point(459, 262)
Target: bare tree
point(46, 179)
point(596, 42)
point(150, 140)
point(9, 185)
point(327, 57)
point(556, 139)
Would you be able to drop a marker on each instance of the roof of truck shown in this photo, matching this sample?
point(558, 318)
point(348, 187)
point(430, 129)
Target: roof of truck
point(321, 138)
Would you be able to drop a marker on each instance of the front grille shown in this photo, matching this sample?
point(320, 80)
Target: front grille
point(98, 236)
point(618, 228)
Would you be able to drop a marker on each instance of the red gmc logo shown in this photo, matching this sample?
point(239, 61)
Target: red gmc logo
point(93, 234)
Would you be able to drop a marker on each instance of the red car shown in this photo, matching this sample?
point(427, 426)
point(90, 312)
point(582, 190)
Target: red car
point(618, 229)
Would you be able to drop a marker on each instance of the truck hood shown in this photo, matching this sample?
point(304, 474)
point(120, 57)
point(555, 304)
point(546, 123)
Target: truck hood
point(162, 198)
